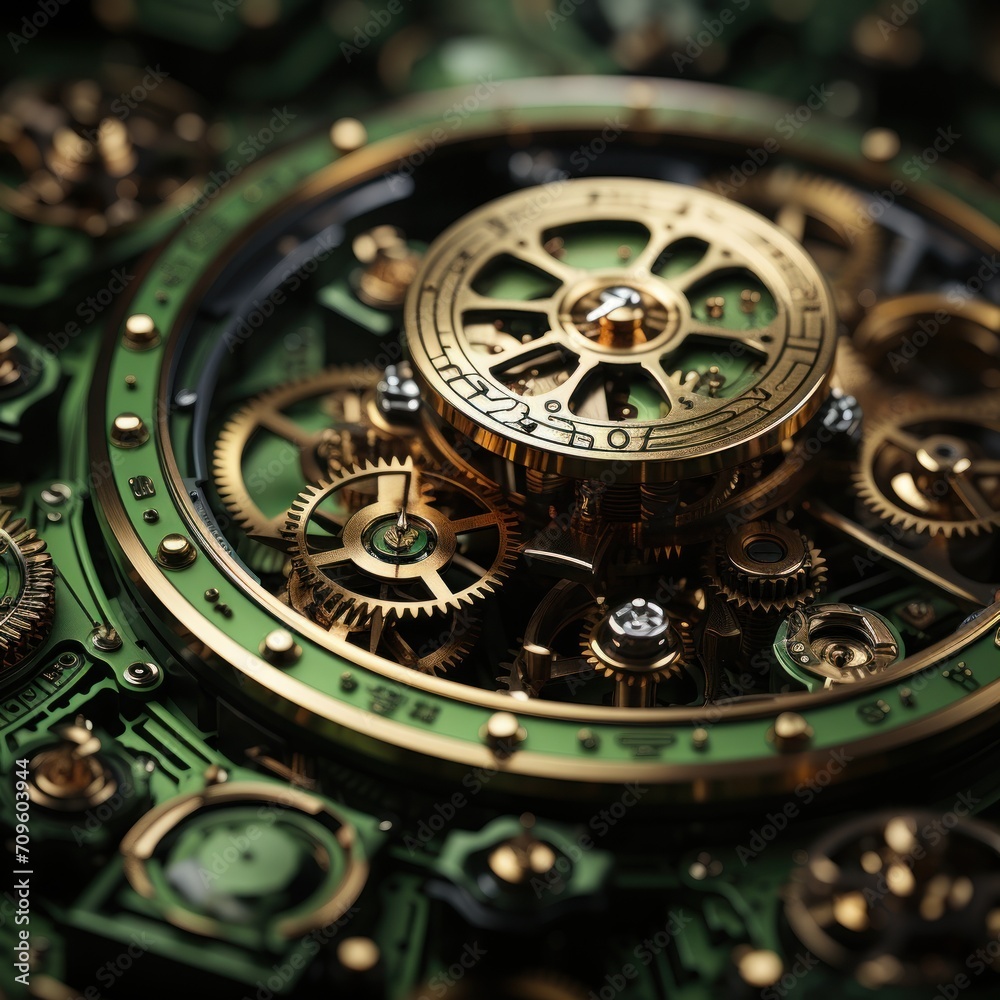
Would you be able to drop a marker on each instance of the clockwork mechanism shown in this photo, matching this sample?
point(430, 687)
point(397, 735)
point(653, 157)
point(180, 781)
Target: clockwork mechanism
point(543, 562)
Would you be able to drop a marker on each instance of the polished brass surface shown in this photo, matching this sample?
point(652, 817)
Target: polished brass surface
point(627, 319)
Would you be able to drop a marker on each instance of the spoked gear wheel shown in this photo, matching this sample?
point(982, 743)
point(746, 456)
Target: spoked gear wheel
point(341, 430)
point(895, 901)
point(936, 472)
point(393, 553)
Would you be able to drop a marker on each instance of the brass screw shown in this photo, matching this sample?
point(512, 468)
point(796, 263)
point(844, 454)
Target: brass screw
point(129, 431)
point(175, 551)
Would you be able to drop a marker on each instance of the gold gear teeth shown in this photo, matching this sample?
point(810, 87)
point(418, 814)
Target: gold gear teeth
point(682, 620)
point(317, 453)
point(929, 471)
point(395, 548)
point(25, 625)
point(766, 566)
point(450, 647)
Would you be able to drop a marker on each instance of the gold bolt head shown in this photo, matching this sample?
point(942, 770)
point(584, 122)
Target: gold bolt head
point(129, 431)
point(791, 732)
point(758, 967)
point(347, 135)
point(879, 145)
point(279, 648)
point(175, 551)
point(503, 732)
point(358, 954)
point(140, 332)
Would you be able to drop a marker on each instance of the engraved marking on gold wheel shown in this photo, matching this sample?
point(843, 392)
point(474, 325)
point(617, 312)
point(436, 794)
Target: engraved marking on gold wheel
point(566, 366)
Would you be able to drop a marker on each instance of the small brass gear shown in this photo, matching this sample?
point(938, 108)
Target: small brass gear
point(766, 566)
point(348, 432)
point(387, 554)
point(764, 570)
point(673, 668)
point(934, 471)
point(809, 206)
point(27, 605)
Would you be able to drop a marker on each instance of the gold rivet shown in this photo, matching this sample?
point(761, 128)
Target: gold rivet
point(791, 731)
point(517, 860)
point(280, 648)
point(347, 135)
point(880, 145)
point(140, 332)
point(359, 954)
point(759, 968)
point(699, 738)
point(129, 431)
point(175, 551)
point(502, 732)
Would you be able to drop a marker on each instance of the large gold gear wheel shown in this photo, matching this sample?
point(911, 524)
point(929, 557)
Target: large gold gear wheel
point(350, 431)
point(705, 342)
point(396, 550)
point(29, 591)
point(827, 217)
point(934, 471)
